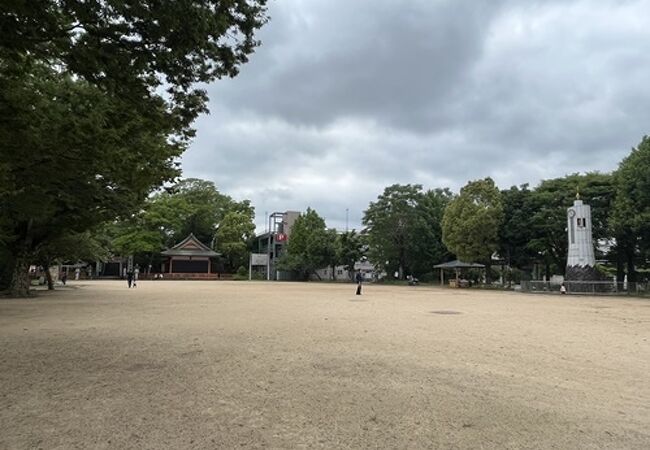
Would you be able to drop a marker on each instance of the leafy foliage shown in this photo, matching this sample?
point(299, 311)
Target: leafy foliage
point(630, 218)
point(350, 248)
point(549, 205)
point(87, 129)
point(190, 206)
point(72, 163)
point(403, 228)
point(310, 246)
point(516, 232)
point(426, 246)
point(132, 47)
point(234, 235)
point(73, 247)
point(471, 221)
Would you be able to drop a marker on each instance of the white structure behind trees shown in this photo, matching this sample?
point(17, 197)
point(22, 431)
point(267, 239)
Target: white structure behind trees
point(580, 256)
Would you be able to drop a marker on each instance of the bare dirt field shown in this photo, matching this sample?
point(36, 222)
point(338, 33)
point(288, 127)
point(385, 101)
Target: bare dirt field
point(287, 365)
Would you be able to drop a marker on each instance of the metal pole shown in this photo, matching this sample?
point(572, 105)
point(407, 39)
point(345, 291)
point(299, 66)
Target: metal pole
point(268, 250)
point(268, 257)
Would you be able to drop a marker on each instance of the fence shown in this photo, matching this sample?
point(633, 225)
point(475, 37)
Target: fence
point(588, 287)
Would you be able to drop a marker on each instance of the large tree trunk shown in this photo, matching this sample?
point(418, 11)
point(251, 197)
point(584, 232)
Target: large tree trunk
point(488, 272)
point(631, 272)
point(48, 277)
point(19, 286)
point(620, 266)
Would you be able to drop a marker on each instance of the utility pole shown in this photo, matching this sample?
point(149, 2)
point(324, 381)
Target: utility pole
point(347, 210)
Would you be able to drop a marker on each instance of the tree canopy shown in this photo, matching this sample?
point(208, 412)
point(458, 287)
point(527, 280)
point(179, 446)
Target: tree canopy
point(350, 248)
point(76, 158)
point(234, 235)
point(403, 229)
point(630, 217)
point(97, 99)
point(133, 47)
point(516, 232)
point(471, 222)
point(550, 201)
point(190, 206)
point(310, 246)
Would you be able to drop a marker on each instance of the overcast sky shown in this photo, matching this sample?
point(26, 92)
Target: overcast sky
point(344, 98)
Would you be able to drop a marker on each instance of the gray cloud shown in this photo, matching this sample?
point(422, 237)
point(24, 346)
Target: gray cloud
point(391, 61)
point(345, 98)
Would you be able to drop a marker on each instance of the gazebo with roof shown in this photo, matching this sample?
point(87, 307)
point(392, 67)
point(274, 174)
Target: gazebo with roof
point(190, 258)
point(456, 266)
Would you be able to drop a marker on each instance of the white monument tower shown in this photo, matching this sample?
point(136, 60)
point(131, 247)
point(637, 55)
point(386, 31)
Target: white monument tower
point(581, 261)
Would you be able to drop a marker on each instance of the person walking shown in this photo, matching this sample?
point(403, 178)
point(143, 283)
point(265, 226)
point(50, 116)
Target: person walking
point(136, 272)
point(359, 280)
point(129, 278)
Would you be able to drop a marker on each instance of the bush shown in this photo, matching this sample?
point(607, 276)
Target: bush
point(605, 273)
point(512, 275)
point(475, 276)
point(241, 274)
point(430, 277)
point(258, 276)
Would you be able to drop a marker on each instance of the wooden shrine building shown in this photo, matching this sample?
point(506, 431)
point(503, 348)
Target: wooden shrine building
point(190, 258)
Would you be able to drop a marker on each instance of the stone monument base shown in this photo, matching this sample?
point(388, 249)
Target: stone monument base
point(583, 273)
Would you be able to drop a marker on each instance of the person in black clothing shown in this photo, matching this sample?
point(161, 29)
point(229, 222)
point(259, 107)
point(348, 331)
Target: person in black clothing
point(359, 279)
point(129, 278)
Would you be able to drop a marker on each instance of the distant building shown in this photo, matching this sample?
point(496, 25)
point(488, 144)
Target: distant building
point(274, 242)
point(339, 273)
point(189, 259)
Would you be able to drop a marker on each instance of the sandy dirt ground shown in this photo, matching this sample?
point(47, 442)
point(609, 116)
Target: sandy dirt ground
point(173, 365)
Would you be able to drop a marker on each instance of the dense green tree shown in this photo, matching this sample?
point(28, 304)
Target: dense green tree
point(86, 129)
point(233, 238)
point(471, 222)
point(190, 206)
point(310, 246)
point(133, 238)
point(630, 218)
point(403, 229)
point(333, 251)
point(69, 147)
point(134, 47)
point(350, 248)
point(72, 247)
point(548, 222)
point(390, 227)
point(426, 247)
point(516, 232)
